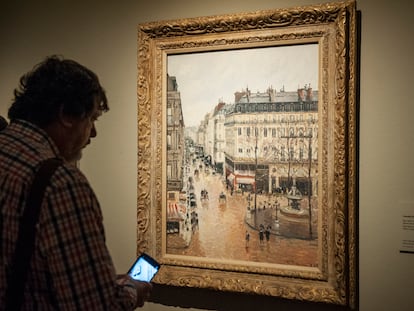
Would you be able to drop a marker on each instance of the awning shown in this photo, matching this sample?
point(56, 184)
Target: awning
point(172, 212)
point(245, 180)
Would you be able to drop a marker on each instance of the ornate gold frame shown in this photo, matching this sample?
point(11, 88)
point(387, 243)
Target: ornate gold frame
point(333, 27)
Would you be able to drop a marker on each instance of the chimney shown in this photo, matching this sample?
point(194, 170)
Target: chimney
point(238, 96)
point(309, 94)
point(272, 94)
point(301, 94)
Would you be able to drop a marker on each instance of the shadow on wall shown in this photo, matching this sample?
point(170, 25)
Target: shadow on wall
point(227, 301)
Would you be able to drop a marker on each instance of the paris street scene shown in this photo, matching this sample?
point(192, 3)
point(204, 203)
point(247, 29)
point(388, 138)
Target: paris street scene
point(242, 176)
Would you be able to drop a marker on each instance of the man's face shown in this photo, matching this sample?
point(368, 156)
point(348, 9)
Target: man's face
point(82, 131)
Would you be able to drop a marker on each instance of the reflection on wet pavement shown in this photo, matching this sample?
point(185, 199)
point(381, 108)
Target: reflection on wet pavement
point(221, 232)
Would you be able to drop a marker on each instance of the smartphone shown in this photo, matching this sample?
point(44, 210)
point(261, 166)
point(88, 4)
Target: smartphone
point(144, 268)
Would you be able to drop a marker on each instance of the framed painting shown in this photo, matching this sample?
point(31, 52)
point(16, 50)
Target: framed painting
point(247, 152)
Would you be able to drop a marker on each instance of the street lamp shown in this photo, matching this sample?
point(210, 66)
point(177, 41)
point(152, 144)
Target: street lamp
point(277, 208)
point(255, 171)
point(276, 218)
point(309, 184)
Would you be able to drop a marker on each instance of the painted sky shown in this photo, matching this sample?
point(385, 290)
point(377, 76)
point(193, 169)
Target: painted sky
point(204, 79)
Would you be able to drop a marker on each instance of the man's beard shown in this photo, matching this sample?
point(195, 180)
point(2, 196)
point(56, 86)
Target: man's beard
point(75, 157)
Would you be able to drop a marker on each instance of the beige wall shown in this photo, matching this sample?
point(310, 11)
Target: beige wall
point(102, 35)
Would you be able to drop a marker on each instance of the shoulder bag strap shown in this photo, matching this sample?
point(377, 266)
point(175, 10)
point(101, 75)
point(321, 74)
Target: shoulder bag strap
point(26, 238)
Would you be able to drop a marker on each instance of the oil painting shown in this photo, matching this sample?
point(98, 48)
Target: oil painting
point(242, 160)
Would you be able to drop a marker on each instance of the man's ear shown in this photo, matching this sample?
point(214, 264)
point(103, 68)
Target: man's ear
point(65, 120)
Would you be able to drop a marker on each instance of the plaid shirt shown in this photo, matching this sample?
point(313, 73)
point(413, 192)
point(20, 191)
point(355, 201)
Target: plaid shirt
point(71, 268)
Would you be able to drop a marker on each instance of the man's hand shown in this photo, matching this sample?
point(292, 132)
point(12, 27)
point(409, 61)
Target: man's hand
point(144, 290)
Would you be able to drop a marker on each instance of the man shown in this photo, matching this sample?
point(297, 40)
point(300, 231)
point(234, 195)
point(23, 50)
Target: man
point(53, 115)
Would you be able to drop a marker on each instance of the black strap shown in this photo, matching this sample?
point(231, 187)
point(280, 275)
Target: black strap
point(27, 232)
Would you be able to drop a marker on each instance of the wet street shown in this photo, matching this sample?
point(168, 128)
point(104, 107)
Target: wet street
point(222, 227)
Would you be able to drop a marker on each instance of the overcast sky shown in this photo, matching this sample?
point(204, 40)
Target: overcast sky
point(206, 78)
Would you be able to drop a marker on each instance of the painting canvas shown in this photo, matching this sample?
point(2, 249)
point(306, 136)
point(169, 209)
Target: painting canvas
point(247, 152)
point(242, 162)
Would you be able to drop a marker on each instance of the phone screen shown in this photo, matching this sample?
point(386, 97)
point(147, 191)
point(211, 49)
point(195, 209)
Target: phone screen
point(144, 268)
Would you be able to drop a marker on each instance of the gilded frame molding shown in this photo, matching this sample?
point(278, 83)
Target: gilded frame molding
point(333, 27)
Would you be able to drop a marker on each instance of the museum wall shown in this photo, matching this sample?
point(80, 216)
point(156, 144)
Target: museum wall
point(102, 35)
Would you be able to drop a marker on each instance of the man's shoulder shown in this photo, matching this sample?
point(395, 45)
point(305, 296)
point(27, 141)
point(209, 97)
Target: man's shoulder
point(69, 173)
point(68, 185)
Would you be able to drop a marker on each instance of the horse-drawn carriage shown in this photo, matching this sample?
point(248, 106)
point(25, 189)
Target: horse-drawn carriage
point(222, 200)
point(204, 194)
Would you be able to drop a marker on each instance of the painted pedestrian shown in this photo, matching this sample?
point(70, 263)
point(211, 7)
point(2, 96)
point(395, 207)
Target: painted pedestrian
point(247, 238)
point(267, 233)
point(261, 235)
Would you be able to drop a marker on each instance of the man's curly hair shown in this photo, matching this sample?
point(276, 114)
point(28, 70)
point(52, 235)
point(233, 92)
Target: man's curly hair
point(56, 86)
